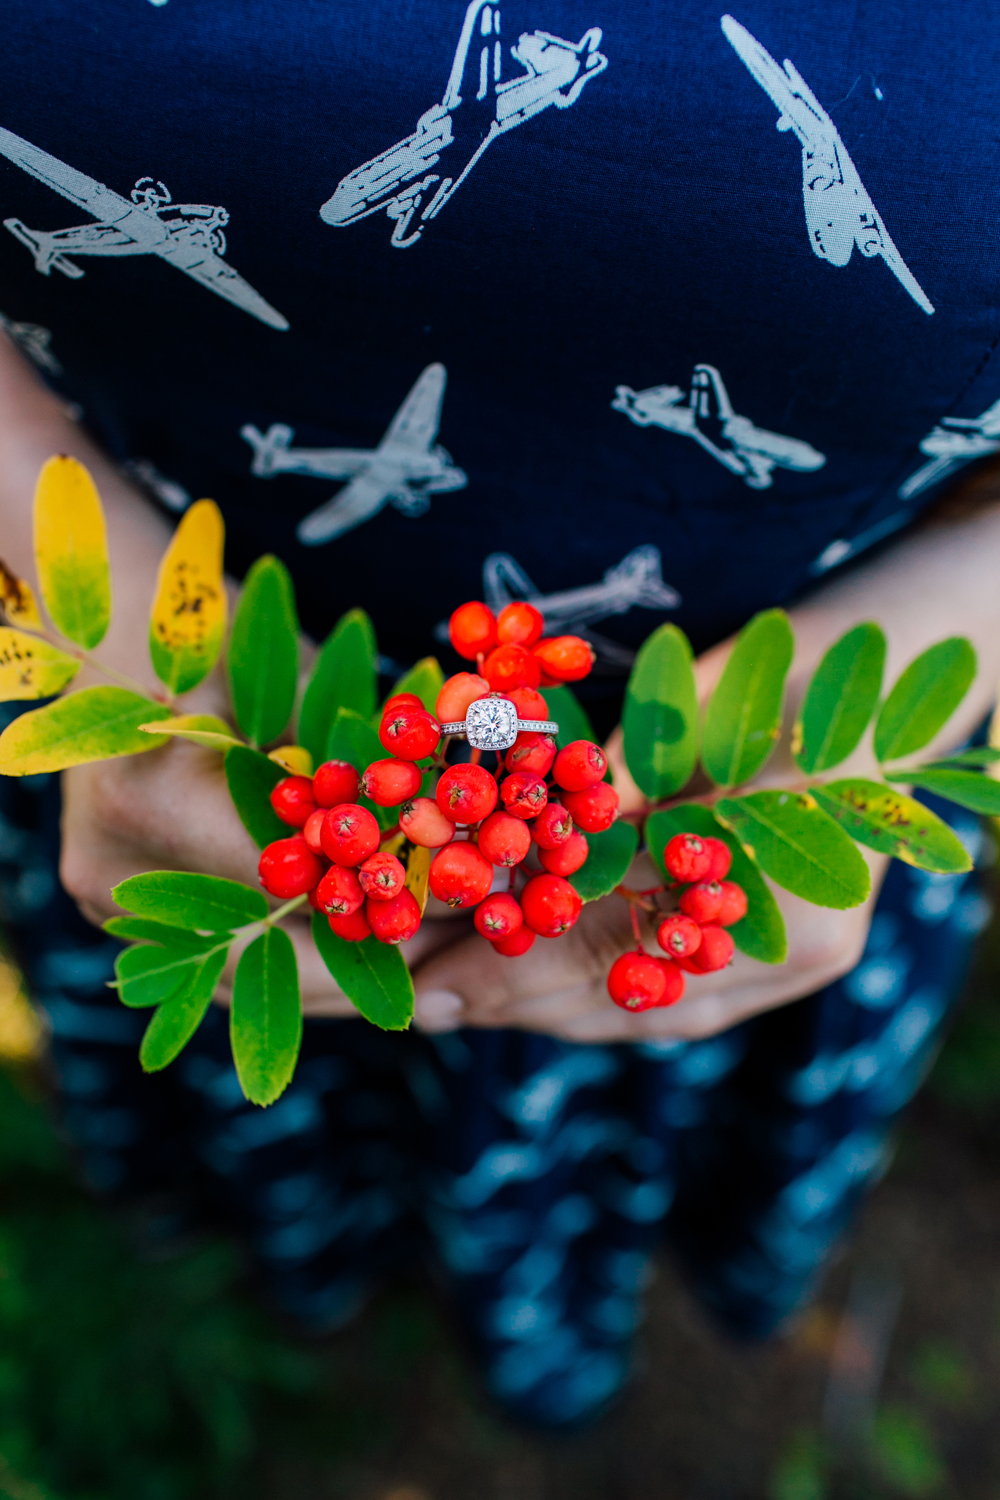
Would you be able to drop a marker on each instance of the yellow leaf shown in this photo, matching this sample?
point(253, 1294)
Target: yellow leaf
point(295, 758)
point(30, 667)
point(18, 601)
point(417, 870)
point(188, 620)
point(71, 551)
point(200, 729)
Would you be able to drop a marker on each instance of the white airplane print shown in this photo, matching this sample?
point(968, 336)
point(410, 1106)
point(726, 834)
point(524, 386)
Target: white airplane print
point(478, 106)
point(402, 471)
point(839, 212)
point(34, 340)
point(733, 441)
point(634, 583)
point(956, 441)
point(186, 235)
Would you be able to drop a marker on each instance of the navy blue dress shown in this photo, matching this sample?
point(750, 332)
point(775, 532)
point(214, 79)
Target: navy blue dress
point(528, 300)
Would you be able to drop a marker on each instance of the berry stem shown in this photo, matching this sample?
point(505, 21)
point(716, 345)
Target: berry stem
point(283, 911)
point(69, 649)
point(636, 930)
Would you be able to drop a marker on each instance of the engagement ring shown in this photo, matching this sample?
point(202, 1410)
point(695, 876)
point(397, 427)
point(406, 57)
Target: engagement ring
point(492, 724)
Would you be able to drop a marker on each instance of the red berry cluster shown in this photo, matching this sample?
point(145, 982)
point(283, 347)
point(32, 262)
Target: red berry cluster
point(694, 937)
point(510, 650)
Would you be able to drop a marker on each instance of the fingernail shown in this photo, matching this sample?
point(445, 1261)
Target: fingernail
point(438, 1010)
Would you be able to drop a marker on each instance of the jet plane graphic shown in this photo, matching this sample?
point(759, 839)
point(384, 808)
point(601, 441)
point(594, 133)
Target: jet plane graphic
point(749, 451)
point(479, 105)
point(34, 340)
point(637, 581)
point(839, 212)
point(186, 235)
point(954, 442)
point(402, 471)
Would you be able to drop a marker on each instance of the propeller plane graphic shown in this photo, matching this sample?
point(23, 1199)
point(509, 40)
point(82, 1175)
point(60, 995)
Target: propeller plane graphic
point(708, 417)
point(839, 212)
point(186, 235)
point(478, 106)
point(405, 468)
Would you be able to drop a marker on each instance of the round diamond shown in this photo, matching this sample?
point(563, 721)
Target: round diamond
point(491, 724)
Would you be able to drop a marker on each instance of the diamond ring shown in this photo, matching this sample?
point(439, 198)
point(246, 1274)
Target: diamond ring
point(492, 724)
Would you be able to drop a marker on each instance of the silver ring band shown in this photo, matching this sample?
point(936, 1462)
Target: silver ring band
point(492, 723)
point(524, 726)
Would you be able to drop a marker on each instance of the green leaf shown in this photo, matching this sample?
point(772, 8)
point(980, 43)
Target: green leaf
point(265, 1023)
point(264, 652)
point(251, 777)
point(71, 551)
point(145, 930)
point(979, 755)
point(181, 899)
point(199, 729)
point(569, 713)
point(177, 1019)
point(611, 853)
point(970, 789)
point(372, 975)
point(840, 699)
point(344, 676)
point(31, 668)
point(924, 698)
point(353, 739)
point(153, 973)
point(894, 824)
point(799, 846)
point(761, 933)
point(660, 716)
point(426, 679)
point(97, 723)
point(743, 720)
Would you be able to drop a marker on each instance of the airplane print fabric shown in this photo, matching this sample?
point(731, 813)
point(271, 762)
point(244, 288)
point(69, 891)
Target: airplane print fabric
point(956, 441)
point(839, 213)
point(479, 105)
point(733, 441)
point(404, 470)
point(186, 235)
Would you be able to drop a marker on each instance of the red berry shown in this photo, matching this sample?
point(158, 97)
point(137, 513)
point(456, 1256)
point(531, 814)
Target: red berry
point(687, 858)
point(531, 752)
point(567, 857)
point(288, 868)
point(394, 921)
point(593, 810)
point(349, 834)
point(503, 839)
point(390, 782)
point(472, 630)
point(566, 658)
point(550, 905)
point(519, 624)
point(460, 876)
point(674, 987)
point(678, 935)
point(410, 733)
point(293, 800)
point(457, 693)
point(524, 794)
point(722, 859)
point(519, 942)
point(339, 893)
point(402, 700)
point(312, 830)
point(498, 917)
point(552, 827)
point(382, 876)
point(353, 929)
point(529, 703)
point(702, 902)
point(636, 982)
point(715, 951)
point(579, 765)
point(733, 907)
point(511, 667)
point(466, 794)
point(335, 781)
point(425, 824)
